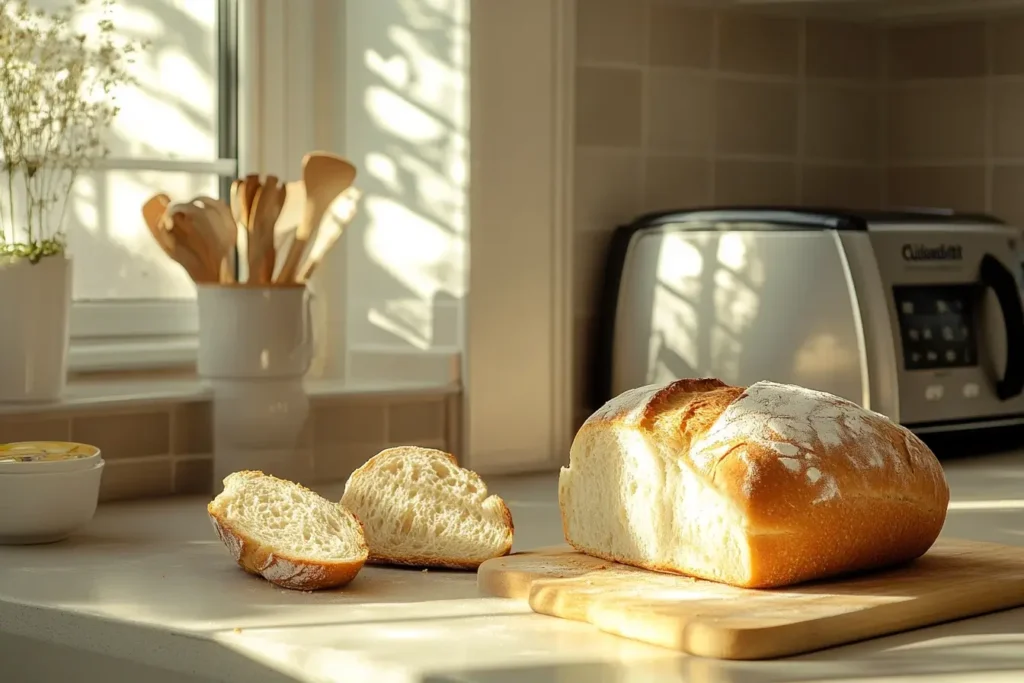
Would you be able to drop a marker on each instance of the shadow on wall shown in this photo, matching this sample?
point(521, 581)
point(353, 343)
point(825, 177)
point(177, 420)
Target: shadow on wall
point(408, 133)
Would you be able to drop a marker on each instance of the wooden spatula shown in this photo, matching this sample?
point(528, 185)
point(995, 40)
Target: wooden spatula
point(265, 210)
point(325, 176)
point(189, 249)
point(342, 211)
point(153, 212)
point(226, 231)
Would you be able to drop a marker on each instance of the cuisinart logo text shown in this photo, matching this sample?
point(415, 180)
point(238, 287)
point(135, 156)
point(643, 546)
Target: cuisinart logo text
point(943, 252)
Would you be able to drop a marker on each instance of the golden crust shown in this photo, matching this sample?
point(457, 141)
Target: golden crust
point(884, 514)
point(284, 569)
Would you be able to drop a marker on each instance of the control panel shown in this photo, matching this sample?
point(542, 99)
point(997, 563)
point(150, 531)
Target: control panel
point(937, 325)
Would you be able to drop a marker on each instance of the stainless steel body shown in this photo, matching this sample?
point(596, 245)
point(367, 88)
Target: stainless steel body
point(895, 317)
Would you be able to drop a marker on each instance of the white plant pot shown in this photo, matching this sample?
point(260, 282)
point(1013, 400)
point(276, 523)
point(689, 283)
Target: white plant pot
point(35, 311)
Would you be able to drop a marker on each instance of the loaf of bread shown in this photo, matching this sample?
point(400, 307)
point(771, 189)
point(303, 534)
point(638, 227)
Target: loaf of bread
point(759, 487)
point(419, 508)
point(289, 535)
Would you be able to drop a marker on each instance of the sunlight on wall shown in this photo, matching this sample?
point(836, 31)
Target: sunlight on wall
point(407, 125)
point(414, 250)
point(171, 110)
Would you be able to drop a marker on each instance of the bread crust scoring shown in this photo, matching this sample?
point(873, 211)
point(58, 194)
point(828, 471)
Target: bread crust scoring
point(823, 486)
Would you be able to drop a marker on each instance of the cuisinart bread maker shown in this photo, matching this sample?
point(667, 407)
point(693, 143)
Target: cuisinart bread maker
point(915, 315)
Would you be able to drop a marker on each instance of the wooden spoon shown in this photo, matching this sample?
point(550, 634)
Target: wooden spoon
point(325, 177)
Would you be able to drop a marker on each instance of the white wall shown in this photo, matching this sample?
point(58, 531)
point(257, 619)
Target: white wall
point(406, 129)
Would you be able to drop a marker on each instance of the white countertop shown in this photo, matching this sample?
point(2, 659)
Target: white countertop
point(148, 584)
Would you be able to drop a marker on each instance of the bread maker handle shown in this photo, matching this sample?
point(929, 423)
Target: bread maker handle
point(997, 277)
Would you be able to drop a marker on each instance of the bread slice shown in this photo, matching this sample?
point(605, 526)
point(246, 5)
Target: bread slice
point(760, 486)
point(286, 533)
point(421, 509)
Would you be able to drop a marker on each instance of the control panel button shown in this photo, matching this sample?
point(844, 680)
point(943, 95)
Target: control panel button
point(927, 333)
point(947, 333)
point(971, 390)
point(934, 392)
point(913, 334)
point(950, 356)
point(907, 307)
point(932, 356)
point(915, 357)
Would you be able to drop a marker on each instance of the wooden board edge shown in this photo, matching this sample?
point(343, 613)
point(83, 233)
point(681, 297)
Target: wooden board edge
point(704, 639)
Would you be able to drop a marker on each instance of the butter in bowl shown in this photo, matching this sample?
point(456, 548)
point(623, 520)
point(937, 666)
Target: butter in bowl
point(48, 490)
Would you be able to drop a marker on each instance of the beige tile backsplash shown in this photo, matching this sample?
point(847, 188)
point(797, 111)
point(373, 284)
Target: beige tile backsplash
point(162, 449)
point(679, 105)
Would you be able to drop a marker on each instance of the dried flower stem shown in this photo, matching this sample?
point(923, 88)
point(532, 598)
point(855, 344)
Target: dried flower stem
point(56, 102)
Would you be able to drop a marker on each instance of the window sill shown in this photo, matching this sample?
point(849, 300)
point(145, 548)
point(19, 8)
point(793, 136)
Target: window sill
point(106, 393)
point(157, 433)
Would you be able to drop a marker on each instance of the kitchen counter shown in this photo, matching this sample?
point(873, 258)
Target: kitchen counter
point(147, 592)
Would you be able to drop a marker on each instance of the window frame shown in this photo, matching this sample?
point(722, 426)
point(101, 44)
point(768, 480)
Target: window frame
point(518, 406)
point(518, 415)
point(134, 334)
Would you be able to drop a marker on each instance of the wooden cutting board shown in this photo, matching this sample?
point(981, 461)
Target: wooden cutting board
point(954, 580)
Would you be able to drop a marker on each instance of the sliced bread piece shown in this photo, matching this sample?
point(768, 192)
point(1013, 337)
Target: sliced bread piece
point(286, 533)
point(419, 508)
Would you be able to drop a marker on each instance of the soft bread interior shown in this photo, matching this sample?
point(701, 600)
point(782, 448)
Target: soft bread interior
point(416, 504)
point(624, 499)
point(289, 518)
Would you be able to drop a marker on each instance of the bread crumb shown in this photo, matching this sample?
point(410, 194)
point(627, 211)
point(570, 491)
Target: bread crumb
point(237, 630)
point(425, 570)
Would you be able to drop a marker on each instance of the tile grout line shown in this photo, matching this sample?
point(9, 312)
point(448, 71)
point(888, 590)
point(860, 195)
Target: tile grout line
point(716, 44)
point(801, 109)
point(645, 102)
point(989, 114)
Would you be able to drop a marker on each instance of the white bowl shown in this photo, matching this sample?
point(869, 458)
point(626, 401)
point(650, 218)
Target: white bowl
point(47, 499)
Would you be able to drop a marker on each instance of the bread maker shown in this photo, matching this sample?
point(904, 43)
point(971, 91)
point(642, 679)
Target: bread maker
point(916, 315)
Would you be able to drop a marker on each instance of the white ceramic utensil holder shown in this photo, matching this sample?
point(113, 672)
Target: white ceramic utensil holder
point(260, 424)
point(35, 312)
point(248, 332)
point(255, 348)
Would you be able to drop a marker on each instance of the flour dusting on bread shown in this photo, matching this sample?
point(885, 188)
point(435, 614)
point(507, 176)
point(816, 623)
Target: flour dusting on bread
point(799, 425)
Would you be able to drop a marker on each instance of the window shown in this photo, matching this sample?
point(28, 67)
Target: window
point(177, 133)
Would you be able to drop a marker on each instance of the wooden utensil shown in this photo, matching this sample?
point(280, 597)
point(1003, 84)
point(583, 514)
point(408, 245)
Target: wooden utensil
point(153, 212)
point(283, 239)
point(161, 226)
point(266, 207)
point(324, 176)
point(209, 235)
point(954, 580)
point(236, 202)
point(326, 236)
point(189, 249)
point(250, 186)
point(226, 230)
